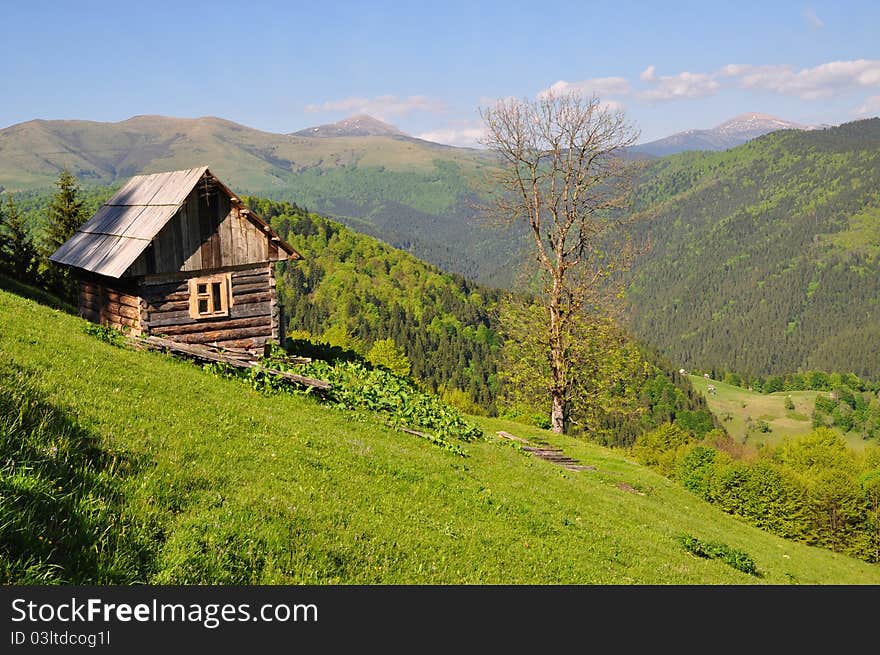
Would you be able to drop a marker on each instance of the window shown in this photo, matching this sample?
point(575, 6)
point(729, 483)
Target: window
point(209, 296)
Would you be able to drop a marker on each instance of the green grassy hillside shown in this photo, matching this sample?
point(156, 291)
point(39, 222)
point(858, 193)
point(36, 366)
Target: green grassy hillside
point(742, 412)
point(124, 466)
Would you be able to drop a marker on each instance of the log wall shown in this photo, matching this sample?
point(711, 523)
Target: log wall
point(102, 303)
point(253, 316)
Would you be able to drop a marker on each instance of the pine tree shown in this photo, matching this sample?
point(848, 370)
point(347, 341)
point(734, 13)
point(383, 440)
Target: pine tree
point(66, 211)
point(66, 214)
point(17, 251)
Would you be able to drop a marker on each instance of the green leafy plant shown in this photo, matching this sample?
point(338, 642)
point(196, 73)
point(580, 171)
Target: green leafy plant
point(738, 559)
point(108, 334)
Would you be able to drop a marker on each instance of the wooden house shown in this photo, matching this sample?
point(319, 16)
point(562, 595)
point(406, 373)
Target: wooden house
point(178, 255)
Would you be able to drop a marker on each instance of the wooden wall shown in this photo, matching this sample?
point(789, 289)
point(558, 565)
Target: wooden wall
point(253, 317)
point(208, 232)
point(108, 305)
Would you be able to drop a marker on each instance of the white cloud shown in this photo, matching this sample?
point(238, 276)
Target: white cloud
point(811, 17)
point(647, 75)
point(465, 136)
point(732, 70)
point(810, 83)
point(381, 106)
point(683, 85)
point(600, 86)
point(871, 107)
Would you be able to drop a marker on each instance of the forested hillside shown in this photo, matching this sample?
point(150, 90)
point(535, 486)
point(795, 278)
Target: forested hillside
point(357, 290)
point(354, 291)
point(766, 258)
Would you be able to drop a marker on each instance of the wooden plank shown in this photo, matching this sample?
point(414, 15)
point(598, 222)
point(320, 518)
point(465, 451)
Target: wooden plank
point(121, 220)
point(169, 297)
point(178, 317)
point(177, 185)
point(227, 240)
point(121, 310)
point(252, 345)
point(106, 219)
point(256, 296)
point(210, 354)
point(200, 326)
point(139, 191)
point(162, 287)
point(251, 270)
point(170, 306)
point(218, 213)
point(114, 320)
point(507, 435)
point(125, 192)
point(182, 316)
point(206, 229)
point(240, 289)
point(239, 237)
point(189, 228)
point(109, 294)
point(90, 299)
point(250, 276)
point(235, 333)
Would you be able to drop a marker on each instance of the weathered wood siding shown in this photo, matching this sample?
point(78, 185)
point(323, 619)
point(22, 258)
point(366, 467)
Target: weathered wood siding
point(106, 304)
point(253, 316)
point(208, 232)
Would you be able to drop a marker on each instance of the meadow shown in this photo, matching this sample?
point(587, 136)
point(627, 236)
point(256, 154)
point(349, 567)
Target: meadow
point(741, 412)
point(129, 467)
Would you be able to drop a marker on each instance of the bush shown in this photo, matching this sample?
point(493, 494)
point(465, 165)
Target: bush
point(738, 559)
point(660, 448)
point(695, 469)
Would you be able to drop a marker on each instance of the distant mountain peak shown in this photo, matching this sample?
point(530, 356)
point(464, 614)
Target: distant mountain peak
point(730, 133)
point(757, 122)
point(357, 125)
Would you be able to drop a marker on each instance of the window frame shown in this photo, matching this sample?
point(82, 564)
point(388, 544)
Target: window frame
point(225, 296)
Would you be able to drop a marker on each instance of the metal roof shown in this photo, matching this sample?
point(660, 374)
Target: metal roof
point(111, 240)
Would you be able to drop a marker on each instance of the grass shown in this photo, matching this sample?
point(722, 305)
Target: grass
point(735, 406)
point(224, 485)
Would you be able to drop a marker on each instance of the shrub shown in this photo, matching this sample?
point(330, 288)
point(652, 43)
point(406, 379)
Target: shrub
point(695, 469)
point(738, 559)
point(660, 448)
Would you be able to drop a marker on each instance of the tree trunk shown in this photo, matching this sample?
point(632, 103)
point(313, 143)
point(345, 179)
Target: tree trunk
point(557, 413)
point(557, 358)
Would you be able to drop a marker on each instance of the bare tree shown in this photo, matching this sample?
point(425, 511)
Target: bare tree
point(563, 175)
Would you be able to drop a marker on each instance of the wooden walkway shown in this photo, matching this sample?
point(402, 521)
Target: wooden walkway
point(547, 452)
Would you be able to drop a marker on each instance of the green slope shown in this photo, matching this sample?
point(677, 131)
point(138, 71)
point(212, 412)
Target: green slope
point(741, 411)
point(190, 478)
point(765, 258)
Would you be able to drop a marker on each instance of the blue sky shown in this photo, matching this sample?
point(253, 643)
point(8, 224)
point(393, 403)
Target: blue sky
point(429, 67)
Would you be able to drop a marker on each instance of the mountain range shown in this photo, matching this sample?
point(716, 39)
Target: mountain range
point(729, 134)
point(414, 194)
